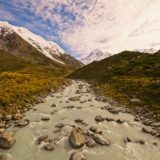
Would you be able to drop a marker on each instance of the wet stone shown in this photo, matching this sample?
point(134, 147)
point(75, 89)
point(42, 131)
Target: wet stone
point(45, 118)
point(77, 138)
point(99, 118)
point(127, 140)
point(59, 125)
point(99, 139)
point(7, 140)
point(43, 138)
point(90, 143)
point(49, 147)
point(77, 156)
point(53, 105)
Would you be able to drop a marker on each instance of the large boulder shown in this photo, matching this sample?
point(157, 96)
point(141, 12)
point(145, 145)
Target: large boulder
point(101, 139)
point(6, 140)
point(77, 138)
point(5, 156)
point(77, 156)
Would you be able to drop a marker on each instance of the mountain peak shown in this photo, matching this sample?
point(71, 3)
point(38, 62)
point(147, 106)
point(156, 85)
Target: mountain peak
point(48, 48)
point(96, 54)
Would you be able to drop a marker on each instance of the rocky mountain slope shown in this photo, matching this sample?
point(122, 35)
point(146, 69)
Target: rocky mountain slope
point(25, 44)
point(95, 55)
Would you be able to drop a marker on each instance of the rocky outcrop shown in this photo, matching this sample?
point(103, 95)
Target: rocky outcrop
point(77, 138)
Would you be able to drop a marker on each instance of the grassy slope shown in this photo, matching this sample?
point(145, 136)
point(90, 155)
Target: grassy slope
point(21, 81)
point(127, 75)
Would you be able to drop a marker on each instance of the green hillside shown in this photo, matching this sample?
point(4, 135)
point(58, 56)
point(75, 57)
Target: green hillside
point(126, 75)
point(21, 81)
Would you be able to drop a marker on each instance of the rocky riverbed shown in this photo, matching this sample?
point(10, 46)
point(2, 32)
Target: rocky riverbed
point(75, 124)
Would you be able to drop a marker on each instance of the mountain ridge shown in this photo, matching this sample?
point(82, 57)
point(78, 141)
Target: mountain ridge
point(13, 40)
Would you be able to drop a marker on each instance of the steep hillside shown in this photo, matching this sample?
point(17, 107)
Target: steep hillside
point(21, 82)
point(25, 44)
point(125, 76)
point(126, 63)
point(10, 62)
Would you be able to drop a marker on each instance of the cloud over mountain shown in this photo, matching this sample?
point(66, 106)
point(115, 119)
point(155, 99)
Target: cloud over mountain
point(84, 25)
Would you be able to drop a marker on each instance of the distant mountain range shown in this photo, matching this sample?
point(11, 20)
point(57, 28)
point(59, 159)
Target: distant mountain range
point(21, 42)
point(95, 55)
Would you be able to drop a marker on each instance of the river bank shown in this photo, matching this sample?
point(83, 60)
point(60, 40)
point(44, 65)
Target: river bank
point(143, 114)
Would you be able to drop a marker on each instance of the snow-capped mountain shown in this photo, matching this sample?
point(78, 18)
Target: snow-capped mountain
point(95, 55)
point(11, 37)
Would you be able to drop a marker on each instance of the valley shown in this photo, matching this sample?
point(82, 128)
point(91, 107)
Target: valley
point(131, 78)
point(52, 106)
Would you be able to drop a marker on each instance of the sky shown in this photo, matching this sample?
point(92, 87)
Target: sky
point(81, 26)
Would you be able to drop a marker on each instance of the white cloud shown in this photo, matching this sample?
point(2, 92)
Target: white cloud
point(117, 25)
point(110, 25)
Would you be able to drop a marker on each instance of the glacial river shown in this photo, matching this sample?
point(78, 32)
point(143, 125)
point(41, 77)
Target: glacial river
point(26, 147)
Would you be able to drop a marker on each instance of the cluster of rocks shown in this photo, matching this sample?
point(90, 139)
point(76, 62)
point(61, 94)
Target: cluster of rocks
point(141, 113)
point(7, 120)
point(129, 140)
point(99, 118)
point(147, 118)
point(86, 137)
